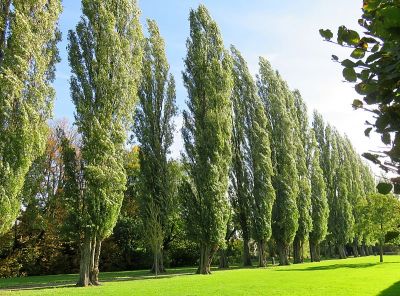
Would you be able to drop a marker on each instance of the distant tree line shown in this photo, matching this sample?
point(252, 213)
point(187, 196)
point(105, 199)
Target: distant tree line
point(256, 178)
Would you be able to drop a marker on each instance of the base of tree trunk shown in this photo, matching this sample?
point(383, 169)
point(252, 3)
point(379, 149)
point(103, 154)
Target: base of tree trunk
point(223, 259)
point(283, 251)
point(342, 252)
point(246, 254)
point(314, 252)
point(262, 262)
point(297, 251)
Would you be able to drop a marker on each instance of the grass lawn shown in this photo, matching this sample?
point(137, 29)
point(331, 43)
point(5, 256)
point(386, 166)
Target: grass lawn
point(359, 276)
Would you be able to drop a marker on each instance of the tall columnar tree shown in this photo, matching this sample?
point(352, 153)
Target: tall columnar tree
point(274, 93)
point(355, 188)
point(28, 54)
point(105, 55)
point(302, 131)
point(319, 202)
point(252, 167)
point(207, 135)
point(341, 216)
point(154, 131)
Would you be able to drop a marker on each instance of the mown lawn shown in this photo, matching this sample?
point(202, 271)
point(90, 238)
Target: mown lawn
point(360, 276)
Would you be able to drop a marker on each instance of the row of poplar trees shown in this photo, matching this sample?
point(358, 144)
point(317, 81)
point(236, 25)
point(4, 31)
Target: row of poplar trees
point(248, 145)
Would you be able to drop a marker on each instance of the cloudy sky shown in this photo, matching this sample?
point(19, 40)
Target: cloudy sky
point(285, 32)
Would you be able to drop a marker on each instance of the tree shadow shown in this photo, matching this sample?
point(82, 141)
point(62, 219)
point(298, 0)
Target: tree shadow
point(393, 290)
point(331, 267)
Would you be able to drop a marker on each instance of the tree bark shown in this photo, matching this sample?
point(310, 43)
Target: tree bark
point(297, 251)
point(158, 261)
point(84, 267)
point(94, 272)
point(342, 252)
point(381, 251)
point(355, 247)
point(283, 251)
point(223, 259)
point(314, 252)
point(362, 249)
point(262, 262)
point(206, 255)
point(246, 253)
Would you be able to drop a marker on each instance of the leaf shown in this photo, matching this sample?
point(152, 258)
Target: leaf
point(352, 37)
point(367, 131)
point(327, 34)
point(350, 74)
point(386, 138)
point(357, 104)
point(335, 58)
point(358, 53)
point(348, 63)
point(375, 48)
point(371, 157)
point(365, 88)
point(384, 188)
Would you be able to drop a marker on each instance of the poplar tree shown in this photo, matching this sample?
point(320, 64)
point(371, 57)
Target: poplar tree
point(206, 133)
point(252, 167)
point(28, 54)
point(154, 130)
point(105, 56)
point(274, 93)
point(302, 131)
point(341, 216)
point(319, 202)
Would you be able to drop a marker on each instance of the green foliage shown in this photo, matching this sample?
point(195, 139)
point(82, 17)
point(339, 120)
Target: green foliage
point(154, 130)
point(319, 201)
point(383, 215)
point(252, 192)
point(376, 73)
point(28, 53)
point(103, 90)
point(298, 110)
point(275, 95)
point(207, 130)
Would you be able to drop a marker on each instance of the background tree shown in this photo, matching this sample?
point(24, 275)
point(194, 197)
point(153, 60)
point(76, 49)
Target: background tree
point(384, 216)
point(302, 134)
point(154, 131)
point(207, 135)
point(28, 54)
point(252, 168)
point(341, 215)
point(274, 93)
point(105, 56)
point(319, 202)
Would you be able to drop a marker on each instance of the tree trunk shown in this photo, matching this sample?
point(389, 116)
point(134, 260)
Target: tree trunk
point(261, 254)
point(362, 249)
point(223, 259)
point(381, 251)
point(355, 247)
point(94, 271)
point(297, 251)
point(314, 252)
point(206, 255)
point(246, 253)
point(283, 251)
point(342, 252)
point(158, 263)
point(84, 268)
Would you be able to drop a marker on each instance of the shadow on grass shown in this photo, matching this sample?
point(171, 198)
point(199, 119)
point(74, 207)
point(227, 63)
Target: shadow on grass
point(104, 278)
point(331, 267)
point(393, 290)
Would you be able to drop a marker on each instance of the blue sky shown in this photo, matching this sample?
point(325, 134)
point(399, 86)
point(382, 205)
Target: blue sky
point(285, 32)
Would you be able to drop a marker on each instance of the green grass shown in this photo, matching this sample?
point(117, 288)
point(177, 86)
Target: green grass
point(351, 277)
